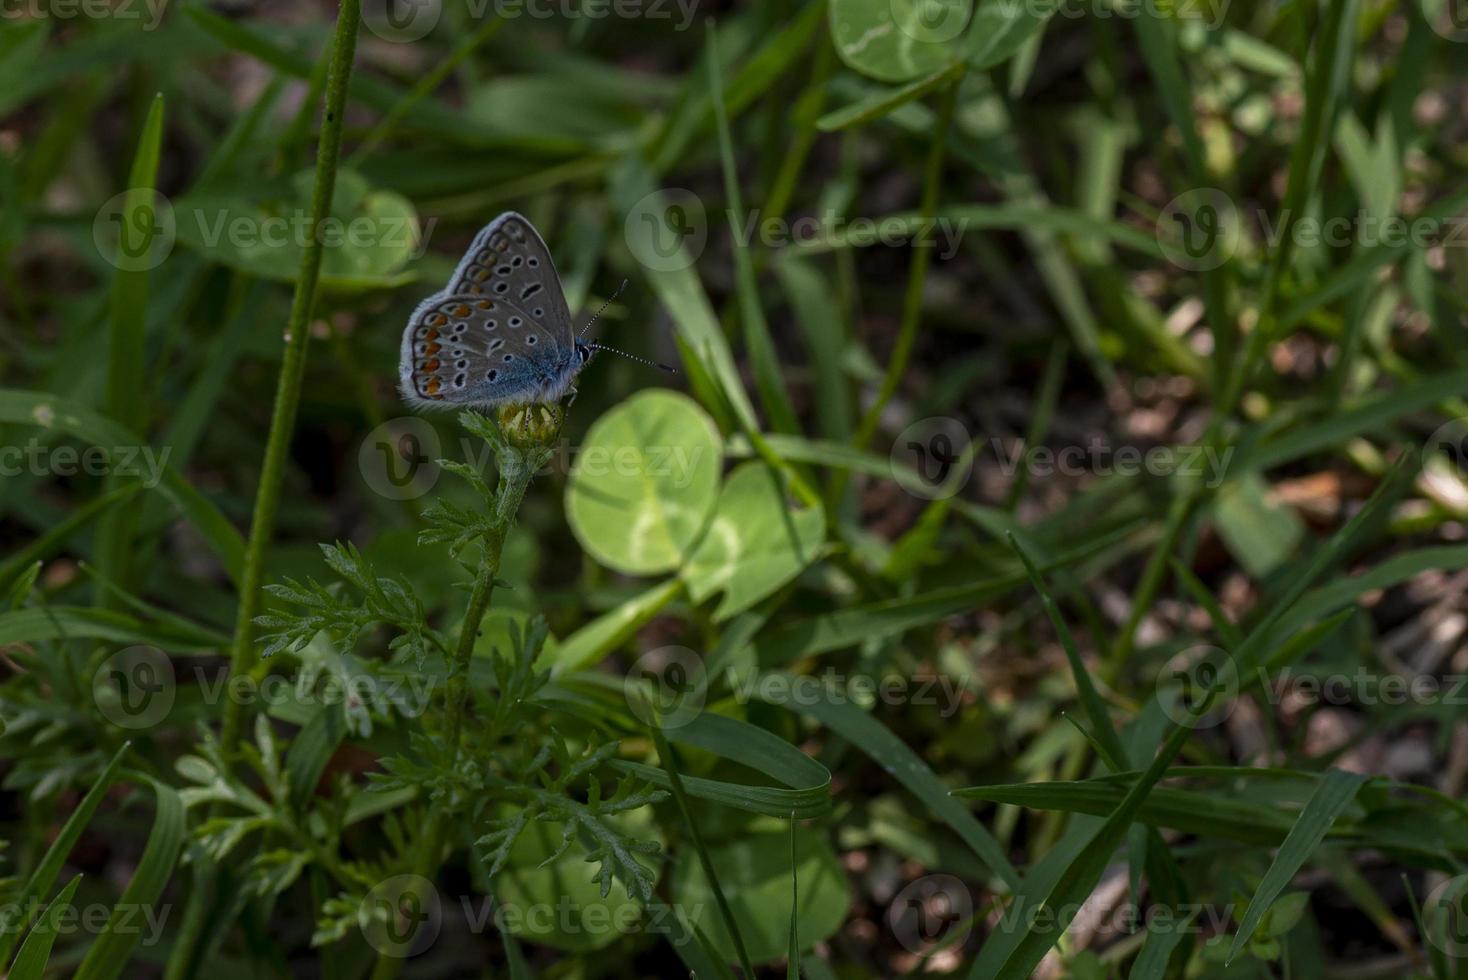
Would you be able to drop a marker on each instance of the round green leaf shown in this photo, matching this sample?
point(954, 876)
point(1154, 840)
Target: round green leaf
point(645, 482)
point(898, 40)
point(754, 874)
point(757, 542)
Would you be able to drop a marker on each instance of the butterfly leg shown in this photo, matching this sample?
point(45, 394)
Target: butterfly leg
point(571, 396)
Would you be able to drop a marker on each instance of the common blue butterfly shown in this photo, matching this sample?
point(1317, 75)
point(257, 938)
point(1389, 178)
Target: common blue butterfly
point(500, 331)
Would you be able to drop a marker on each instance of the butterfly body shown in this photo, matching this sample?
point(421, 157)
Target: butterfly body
point(500, 331)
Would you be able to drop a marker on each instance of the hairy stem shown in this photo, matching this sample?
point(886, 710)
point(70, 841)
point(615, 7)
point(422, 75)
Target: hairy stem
point(517, 468)
point(293, 364)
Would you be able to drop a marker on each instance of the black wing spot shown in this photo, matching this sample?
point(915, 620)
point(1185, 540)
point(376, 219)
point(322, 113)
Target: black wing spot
point(516, 321)
point(530, 339)
point(462, 363)
point(531, 290)
point(458, 381)
point(517, 261)
point(494, 373)
point(509, 358)
point(503, 270)
point(539, 312)
point(534, 262)
point(500, 287)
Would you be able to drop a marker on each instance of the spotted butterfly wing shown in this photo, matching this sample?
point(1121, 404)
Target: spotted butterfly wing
point(500, 332)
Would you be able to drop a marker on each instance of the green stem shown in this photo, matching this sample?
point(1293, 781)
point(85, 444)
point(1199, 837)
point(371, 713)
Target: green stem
point(917, 275)
point(517, 468)
point(183, 960)
point(293, 364)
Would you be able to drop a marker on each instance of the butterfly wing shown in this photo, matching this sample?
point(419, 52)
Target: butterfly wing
point(508, 260)
point(474, 350)
point(501, 331)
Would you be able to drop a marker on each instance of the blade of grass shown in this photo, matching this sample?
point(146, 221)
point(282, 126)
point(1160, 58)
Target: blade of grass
point(1329, 800)
point(109, 954)
point(917, 276)
point(1102, 728)
point(768, 378)
point(13, 918)
point(675, 781)
point(126, 394)
point(30, 962)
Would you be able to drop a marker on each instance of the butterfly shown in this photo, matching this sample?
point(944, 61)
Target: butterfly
point(500, 332)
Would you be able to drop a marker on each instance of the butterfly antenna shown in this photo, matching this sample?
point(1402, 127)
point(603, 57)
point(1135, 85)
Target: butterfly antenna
point(633, 357)
point(604, 307)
